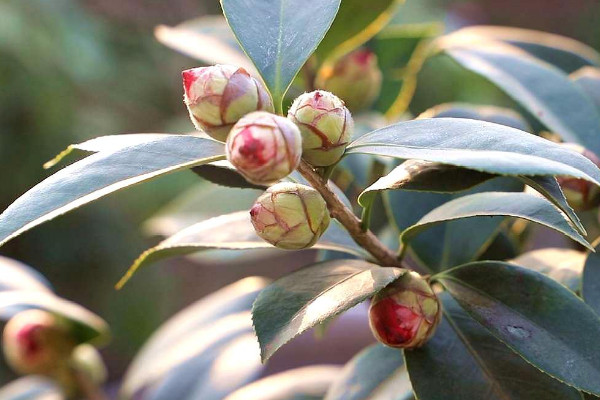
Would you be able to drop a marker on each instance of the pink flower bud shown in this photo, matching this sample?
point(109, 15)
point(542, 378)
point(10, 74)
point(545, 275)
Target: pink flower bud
point(218, 96)
point(264, 147)
point(325, 124)
point(405, 313)
point(290, 216)
point(581, 194)
point(355, 78)
point(36, 342)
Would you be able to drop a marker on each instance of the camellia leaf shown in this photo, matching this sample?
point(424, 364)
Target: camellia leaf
point(306, 383)
point(518, 205)
point(87, 326)
point(234, 232)
point(31, 387)
point(355, 23)
point(464, 361)
point(311, 295)
point(590, 289)
point(478, 145)
point(544, 322)
point(209, 331)
point(101, 174)
point(376, 372)
point(285, 36)
point(15, 275)
point(224, 174)
point(543, 90)
point(563, 52)
point(208, 39)
point(563, 265)
point(588, 79)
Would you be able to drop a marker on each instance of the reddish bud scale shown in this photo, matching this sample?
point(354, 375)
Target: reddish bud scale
point(582, 195)
point(218, 96)
point(405, 313)
point(264, 147)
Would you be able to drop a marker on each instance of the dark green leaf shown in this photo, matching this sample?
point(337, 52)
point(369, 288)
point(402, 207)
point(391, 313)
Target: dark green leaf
point(355, 23)
point(233, 232)
point(563, 52)
point(215, 329)
point(563, 265)
point(590, 289)
point(377, 372)
point(306, 383)
point(477, 145)
point(518, 205)
point(103, 173)
point(224, 174)
point(544, 91)
point(464, 361)
point(311, 295)
point(588, 79)
point(15, 275)
point(87, 326)
point(279, 35)
point(544, 322)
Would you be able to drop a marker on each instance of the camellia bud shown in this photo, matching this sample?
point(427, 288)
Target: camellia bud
point(325, 124)
point(218, 96)
point(405, 313)
point(581, 194)
point(355, 78)
point(37, 342)
point(290, 216)
point(264, 147)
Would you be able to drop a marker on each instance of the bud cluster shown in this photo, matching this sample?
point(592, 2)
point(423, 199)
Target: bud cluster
point(406, 313)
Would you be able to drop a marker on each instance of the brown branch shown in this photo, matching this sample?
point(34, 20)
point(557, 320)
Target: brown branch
point(351, 222)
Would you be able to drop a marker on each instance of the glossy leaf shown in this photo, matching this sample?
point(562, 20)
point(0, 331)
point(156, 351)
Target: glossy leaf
point(544, 322)
point(590, 289)
point(588, 80)
point(15, 275)
point(518, 205)
point(182, 358)
point(541, 89)
point(285, 36)
point(445, 245)
point(208, 39)
point(234, 232)
point(31, 388)
point(377, 372)
point(563, 52)
point(477, 145)
point(101, 174)
point(563, 265)
point(311, 295)
point(464, 361)
point(306, 383)
point(355, 23)
point(87, 326)
point(224, 174)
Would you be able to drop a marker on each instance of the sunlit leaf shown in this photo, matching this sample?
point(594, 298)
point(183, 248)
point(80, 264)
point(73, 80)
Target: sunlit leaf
point(588, 79)
point(311, 295)
point(544, 322)
point(15, 275)
point(562, 265)
point(31, 388)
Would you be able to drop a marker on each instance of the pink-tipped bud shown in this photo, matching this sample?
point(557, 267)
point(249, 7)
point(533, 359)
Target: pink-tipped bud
point(264, 147)
point(355, 78)
point(405, 313)
point(36, 342)
point(325, 124)
point(218, 96)
point(290, 216)
point(581, 194)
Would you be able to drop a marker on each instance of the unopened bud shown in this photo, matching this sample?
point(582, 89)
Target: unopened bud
point(290, 216)
point(405, 313)
point(355, 78)
point(325, 124)
point(218, 96)
point(37, 342)
point(264, 147)
point(582, 195)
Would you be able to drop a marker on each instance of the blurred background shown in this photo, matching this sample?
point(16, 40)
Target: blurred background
point(73, 70)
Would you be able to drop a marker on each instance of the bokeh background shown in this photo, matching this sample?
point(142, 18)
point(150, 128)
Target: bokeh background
point(73, 70)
